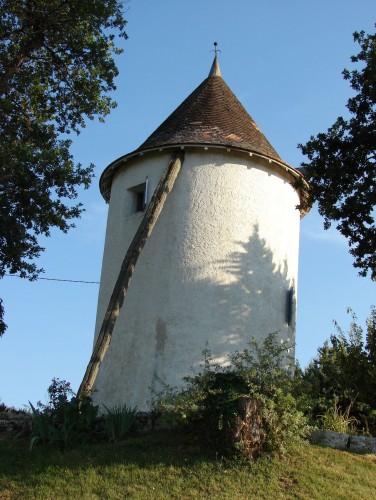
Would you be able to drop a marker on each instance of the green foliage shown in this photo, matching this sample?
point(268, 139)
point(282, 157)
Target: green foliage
point(336, 420)
point(56, 67)
point(344, 374)
point(208, 405)
point(42, 428)
point(118, 422)
point(341, 167)
point(65, 421)
point(265, 366)
point(284, 422)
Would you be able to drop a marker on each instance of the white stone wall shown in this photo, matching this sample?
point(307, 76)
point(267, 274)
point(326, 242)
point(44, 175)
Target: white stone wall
point(215, 270)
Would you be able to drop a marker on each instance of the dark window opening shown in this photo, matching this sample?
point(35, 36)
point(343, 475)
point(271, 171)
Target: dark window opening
point(290, 306)
point(140, 202)
point(140, 196)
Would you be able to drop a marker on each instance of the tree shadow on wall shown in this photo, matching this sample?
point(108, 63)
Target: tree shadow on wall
point(251, 296)
point(241, 297)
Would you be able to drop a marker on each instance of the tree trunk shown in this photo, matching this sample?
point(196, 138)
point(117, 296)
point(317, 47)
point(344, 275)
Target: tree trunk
point(248, 429)
point(154, 208)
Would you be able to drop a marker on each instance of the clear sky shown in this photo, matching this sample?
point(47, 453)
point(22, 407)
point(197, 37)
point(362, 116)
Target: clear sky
point(283, 60)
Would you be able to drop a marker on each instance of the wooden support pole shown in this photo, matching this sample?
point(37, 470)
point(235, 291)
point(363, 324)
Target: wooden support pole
point(148, 222)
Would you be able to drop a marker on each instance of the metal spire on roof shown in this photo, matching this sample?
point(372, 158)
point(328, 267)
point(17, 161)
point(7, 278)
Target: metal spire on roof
point(215, 71)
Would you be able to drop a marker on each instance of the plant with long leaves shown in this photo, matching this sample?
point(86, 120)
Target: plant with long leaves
point(118, 421)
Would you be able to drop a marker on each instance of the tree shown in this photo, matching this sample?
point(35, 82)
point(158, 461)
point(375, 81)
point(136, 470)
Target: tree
point(341, 167)
point(344, 372)
point(56, 68)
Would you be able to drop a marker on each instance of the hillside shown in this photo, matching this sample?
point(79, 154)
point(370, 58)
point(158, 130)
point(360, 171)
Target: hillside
point(168, 465)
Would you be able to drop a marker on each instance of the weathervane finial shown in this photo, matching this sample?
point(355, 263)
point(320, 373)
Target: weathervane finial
point(215, 49)
point(215, 71)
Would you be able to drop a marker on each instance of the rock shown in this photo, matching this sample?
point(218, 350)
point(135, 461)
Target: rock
point(330, 438)
point(363, 444)
point(15, 421)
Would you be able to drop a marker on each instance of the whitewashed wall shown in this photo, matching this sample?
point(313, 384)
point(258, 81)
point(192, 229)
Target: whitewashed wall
point(215, 270)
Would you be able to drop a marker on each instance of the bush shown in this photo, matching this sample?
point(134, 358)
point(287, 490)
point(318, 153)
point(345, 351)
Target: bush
point(209, 404)
point(343, 375)
point(336, 420)
point(66, 420)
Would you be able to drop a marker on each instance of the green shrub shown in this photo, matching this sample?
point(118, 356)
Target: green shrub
point(343, 375)
point(284, 423)
point(208, 405)
point(65, 421)
point(42, 428)
point(335, 420)
point(118, 422)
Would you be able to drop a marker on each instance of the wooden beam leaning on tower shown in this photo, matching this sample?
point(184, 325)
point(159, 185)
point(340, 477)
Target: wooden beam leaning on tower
point(145, 229)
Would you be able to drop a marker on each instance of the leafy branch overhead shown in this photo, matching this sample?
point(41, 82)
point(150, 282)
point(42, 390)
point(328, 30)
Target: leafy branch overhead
point(341, 166)
point(56, 68)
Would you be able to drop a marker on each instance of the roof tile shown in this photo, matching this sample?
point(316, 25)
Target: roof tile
point(211, 114)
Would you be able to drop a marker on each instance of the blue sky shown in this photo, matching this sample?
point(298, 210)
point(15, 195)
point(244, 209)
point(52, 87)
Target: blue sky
point(283, 60)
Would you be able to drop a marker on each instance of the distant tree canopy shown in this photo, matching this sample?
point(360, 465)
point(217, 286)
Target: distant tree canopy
point(56, 68)
point(341, 166)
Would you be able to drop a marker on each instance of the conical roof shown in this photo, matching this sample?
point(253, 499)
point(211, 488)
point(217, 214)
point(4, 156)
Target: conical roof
point(211, 115)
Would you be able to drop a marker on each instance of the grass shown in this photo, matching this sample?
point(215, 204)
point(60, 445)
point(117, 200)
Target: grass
point(166, 465)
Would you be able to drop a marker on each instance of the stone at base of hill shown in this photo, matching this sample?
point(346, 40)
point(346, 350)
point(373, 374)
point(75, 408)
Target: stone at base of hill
point(363, 444)
point(330, 438)
point(341, 441)
point(14, 421)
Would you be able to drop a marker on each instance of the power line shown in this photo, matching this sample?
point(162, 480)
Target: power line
point(55, 279)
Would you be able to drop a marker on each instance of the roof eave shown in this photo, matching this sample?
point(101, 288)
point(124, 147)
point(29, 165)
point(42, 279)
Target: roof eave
point(107, 175)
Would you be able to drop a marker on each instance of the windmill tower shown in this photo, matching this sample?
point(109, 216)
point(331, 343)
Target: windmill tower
point(218, 265)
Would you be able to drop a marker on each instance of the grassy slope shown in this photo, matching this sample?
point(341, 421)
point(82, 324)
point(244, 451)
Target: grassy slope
point(165, 465)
